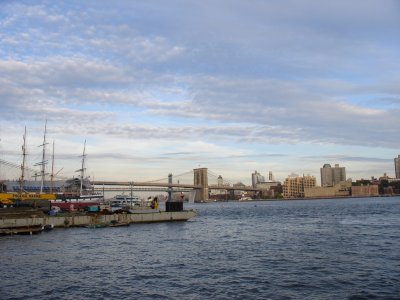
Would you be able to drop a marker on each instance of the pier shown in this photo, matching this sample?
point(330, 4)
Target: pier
point(84, 220)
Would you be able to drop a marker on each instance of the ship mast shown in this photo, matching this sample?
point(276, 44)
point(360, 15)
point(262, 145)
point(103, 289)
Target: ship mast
point(43, 162)
point(21, 180)
point(52, 170)
point(82, 169)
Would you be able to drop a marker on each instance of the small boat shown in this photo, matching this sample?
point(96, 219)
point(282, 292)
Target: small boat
point(115, 223)
point(48, 227)
point(97, 225)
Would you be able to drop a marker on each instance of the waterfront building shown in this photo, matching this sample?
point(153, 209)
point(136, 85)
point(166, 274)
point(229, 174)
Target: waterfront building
point(268, 188)
point(332, 176)
point(267, 185)
point(365, 190)
point(397, 166)
point(256, 178)
point(341, 189)
point(294, 185)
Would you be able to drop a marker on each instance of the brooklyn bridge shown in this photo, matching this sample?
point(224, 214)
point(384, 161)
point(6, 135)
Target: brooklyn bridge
point(200, 187)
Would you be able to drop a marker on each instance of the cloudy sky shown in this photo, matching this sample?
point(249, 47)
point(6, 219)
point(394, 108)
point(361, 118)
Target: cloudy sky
point(235, 86)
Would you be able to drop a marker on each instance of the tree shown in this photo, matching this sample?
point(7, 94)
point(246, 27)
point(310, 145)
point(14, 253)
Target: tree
point(384, 183)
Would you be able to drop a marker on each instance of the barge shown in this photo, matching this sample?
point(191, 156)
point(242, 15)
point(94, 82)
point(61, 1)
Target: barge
point(13, 221)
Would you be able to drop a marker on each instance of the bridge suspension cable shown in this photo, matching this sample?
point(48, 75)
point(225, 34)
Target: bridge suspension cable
point(165, 179)
point(27, 169)
point(157, 180)
point(184, 174)
point(215, 176)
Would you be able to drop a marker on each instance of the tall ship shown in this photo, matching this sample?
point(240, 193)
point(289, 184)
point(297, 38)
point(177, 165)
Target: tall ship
point(77, 193)
point(16, 194)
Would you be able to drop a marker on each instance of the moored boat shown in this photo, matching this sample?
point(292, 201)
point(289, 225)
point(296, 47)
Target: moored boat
point(115, 223)
point(123, 202)
point(33, 229)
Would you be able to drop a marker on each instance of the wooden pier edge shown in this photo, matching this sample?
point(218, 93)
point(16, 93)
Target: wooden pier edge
point(81, 221)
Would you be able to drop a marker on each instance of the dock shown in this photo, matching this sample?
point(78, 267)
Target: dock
point(32, 218)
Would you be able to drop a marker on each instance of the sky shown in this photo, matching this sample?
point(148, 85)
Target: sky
point(159, 87)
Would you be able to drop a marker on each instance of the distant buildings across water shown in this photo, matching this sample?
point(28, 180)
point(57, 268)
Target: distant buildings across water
point(332, 176)
point(334, 183)
point(397, 167)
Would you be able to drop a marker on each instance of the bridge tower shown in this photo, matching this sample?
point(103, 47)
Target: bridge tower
point(169, 190)
point(201, 179)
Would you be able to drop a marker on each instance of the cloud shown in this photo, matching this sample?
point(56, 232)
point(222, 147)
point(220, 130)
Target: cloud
point(271, 110)
point(61, 71)
point(346, 158)
point(243, 75)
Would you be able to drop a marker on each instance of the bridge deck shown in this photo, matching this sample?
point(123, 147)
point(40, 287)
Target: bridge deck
point(135, 185)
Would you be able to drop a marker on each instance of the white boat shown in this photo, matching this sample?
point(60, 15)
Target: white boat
point(124, 202)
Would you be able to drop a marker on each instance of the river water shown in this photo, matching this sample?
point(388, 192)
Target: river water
point(306, 249)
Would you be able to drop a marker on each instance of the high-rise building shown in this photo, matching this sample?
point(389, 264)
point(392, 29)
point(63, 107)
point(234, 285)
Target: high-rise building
point(326, 175)
point(332, 176)
point(293, 186)
point(270, 176)
point(339, 174)
point(220, 181)
point(256, 178)
point(397, 166)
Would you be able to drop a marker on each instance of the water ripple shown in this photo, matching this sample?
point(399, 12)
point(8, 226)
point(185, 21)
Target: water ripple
point(328, 249)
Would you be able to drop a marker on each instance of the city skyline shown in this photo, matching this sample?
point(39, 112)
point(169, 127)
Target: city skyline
point(161, 87)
